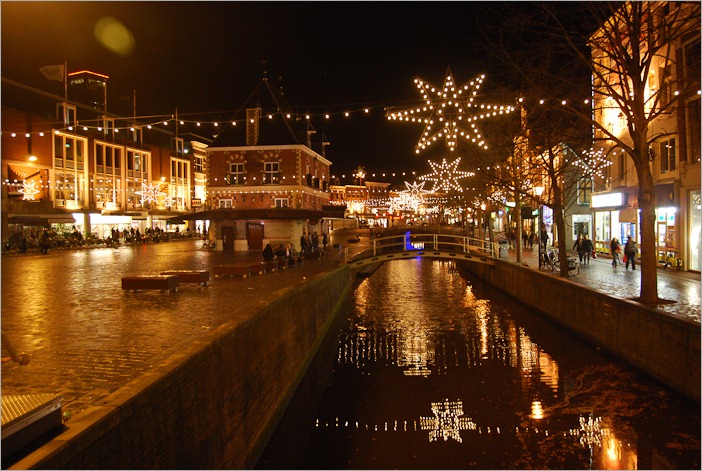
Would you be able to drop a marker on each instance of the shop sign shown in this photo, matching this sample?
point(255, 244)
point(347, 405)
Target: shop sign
point(196, 202)
point(608, 200)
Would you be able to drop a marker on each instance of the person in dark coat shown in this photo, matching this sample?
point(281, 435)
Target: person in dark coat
point(630, 251)
point(587, 249)
point(268, 252)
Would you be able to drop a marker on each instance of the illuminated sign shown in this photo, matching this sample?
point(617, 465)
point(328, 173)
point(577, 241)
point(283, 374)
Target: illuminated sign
point(607, 200)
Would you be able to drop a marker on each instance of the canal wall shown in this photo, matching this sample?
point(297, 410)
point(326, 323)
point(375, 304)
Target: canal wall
point(664, 346)
point(213, 402)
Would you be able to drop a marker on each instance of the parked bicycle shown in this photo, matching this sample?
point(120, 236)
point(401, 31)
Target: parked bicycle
point(550, 260)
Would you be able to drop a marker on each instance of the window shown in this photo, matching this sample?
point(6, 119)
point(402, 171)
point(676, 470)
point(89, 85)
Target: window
point(665, 85)
point(109, 126)
point(235, 175)
point(272, 174)
point(66, 114)
point(198, 163)
point(584, 191)
point(179, 147)
point(666, 153)
point(225, 203)
point(694, 130)
point(282, 202)
point(692, 62)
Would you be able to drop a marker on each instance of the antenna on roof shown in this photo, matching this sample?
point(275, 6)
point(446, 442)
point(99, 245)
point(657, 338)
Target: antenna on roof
point(264, 66)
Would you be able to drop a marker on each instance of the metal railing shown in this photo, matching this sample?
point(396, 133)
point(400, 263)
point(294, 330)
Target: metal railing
point(411, 241)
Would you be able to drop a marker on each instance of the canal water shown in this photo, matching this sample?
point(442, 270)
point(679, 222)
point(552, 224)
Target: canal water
point(428, 370)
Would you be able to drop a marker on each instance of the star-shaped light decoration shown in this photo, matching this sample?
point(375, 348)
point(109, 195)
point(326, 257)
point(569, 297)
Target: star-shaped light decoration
point(593, 162)
point(415, 189)
point(447, 422)
point(445, 176)
point(169, 202)
point(449, 112)
point(29, 189)
point(149, 193)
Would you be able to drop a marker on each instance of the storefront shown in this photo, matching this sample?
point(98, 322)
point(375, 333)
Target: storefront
point(695, 226)
point(613, 219)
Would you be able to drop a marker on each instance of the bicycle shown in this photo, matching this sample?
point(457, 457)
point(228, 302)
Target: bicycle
point(551, 261)
point(207, 244)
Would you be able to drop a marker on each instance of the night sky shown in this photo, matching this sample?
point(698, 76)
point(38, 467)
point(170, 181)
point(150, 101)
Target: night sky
point(206, 58)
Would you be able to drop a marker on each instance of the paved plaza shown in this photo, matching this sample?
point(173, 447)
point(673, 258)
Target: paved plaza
point(87, 337)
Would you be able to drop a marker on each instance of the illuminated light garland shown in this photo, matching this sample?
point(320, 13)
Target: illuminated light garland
point(593, 162)
point(444, 113)
point(445, 176)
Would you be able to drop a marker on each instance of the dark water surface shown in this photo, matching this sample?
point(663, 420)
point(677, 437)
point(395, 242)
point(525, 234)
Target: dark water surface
point(430, 371)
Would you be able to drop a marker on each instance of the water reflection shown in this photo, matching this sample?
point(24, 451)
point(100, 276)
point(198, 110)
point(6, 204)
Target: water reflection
point(433, 372)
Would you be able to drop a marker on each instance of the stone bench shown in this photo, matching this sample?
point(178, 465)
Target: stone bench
point(160, 282)
point(242, 270)
point(190, 276)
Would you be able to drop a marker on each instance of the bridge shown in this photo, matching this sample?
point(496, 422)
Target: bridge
point(427, 245)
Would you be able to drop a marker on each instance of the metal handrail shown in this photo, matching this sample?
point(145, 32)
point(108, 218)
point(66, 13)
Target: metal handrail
point(409, 240)
point(20, 358)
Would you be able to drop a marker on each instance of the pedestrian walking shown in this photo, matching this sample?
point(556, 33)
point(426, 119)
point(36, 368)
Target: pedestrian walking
point(543, 237)
point(615, 249)
point(325, 241)
point(630, 251)
point(578, 246)
point(587, 249)
point(45, 241)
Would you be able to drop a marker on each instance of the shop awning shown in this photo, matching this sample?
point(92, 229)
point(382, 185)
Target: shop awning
point(41, 220)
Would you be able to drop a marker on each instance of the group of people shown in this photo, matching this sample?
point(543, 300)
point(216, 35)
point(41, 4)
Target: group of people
point(583, 245)
point(631, 250)
point(309, 244)
point(280, 253)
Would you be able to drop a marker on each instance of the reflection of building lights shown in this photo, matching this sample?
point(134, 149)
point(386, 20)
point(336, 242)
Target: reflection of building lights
point(537, 411)
point(589, 432)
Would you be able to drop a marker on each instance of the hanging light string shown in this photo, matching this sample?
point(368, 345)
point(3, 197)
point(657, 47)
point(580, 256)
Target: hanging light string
point(346, 111)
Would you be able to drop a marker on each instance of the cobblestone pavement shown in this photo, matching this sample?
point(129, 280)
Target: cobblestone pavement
point(87, 337)
point(683, 288)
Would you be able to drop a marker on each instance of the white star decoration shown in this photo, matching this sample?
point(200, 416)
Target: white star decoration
point(445, 113)
point(28, 190)
point(447, 422)
point(446, 176)
point(149, 193)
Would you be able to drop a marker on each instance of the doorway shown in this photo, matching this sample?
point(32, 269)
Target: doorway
point(228, 235)
point(254, 236)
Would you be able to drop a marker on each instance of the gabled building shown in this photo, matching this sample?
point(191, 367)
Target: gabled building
point(267, 176)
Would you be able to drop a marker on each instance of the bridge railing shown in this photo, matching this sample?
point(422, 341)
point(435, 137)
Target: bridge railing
point(411, 241)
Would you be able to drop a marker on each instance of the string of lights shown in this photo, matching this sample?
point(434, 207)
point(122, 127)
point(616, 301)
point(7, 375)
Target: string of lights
point(169, 119)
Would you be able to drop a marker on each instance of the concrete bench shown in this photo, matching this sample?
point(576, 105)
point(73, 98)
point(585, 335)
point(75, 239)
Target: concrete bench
point(190, 276)
point(242, 270)
point(160, 282)
point(270, 265)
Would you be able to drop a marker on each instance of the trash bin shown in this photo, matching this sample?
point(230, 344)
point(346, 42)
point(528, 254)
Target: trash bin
point(503, 248)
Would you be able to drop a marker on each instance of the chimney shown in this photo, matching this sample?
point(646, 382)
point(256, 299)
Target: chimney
point(252, 117)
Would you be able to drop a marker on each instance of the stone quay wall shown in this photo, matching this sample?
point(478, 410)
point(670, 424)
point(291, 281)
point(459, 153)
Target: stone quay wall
point(665, 347)
point(215, 402)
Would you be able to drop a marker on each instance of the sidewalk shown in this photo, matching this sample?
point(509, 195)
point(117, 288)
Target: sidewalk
point(681, 287)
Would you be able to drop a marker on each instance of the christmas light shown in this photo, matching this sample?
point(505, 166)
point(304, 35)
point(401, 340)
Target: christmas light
point(28, 190)
point(448, 111)
point(445, 176)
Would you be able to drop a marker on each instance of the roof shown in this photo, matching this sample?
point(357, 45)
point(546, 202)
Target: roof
point(279, 123)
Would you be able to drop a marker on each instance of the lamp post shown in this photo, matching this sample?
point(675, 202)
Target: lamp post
point(538, 191)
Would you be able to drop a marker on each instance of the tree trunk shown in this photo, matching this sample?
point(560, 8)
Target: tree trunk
point(518, 222)
point(649, 257)
point(559, 221)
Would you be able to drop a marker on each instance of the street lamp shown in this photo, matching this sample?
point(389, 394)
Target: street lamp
point(538, 191)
